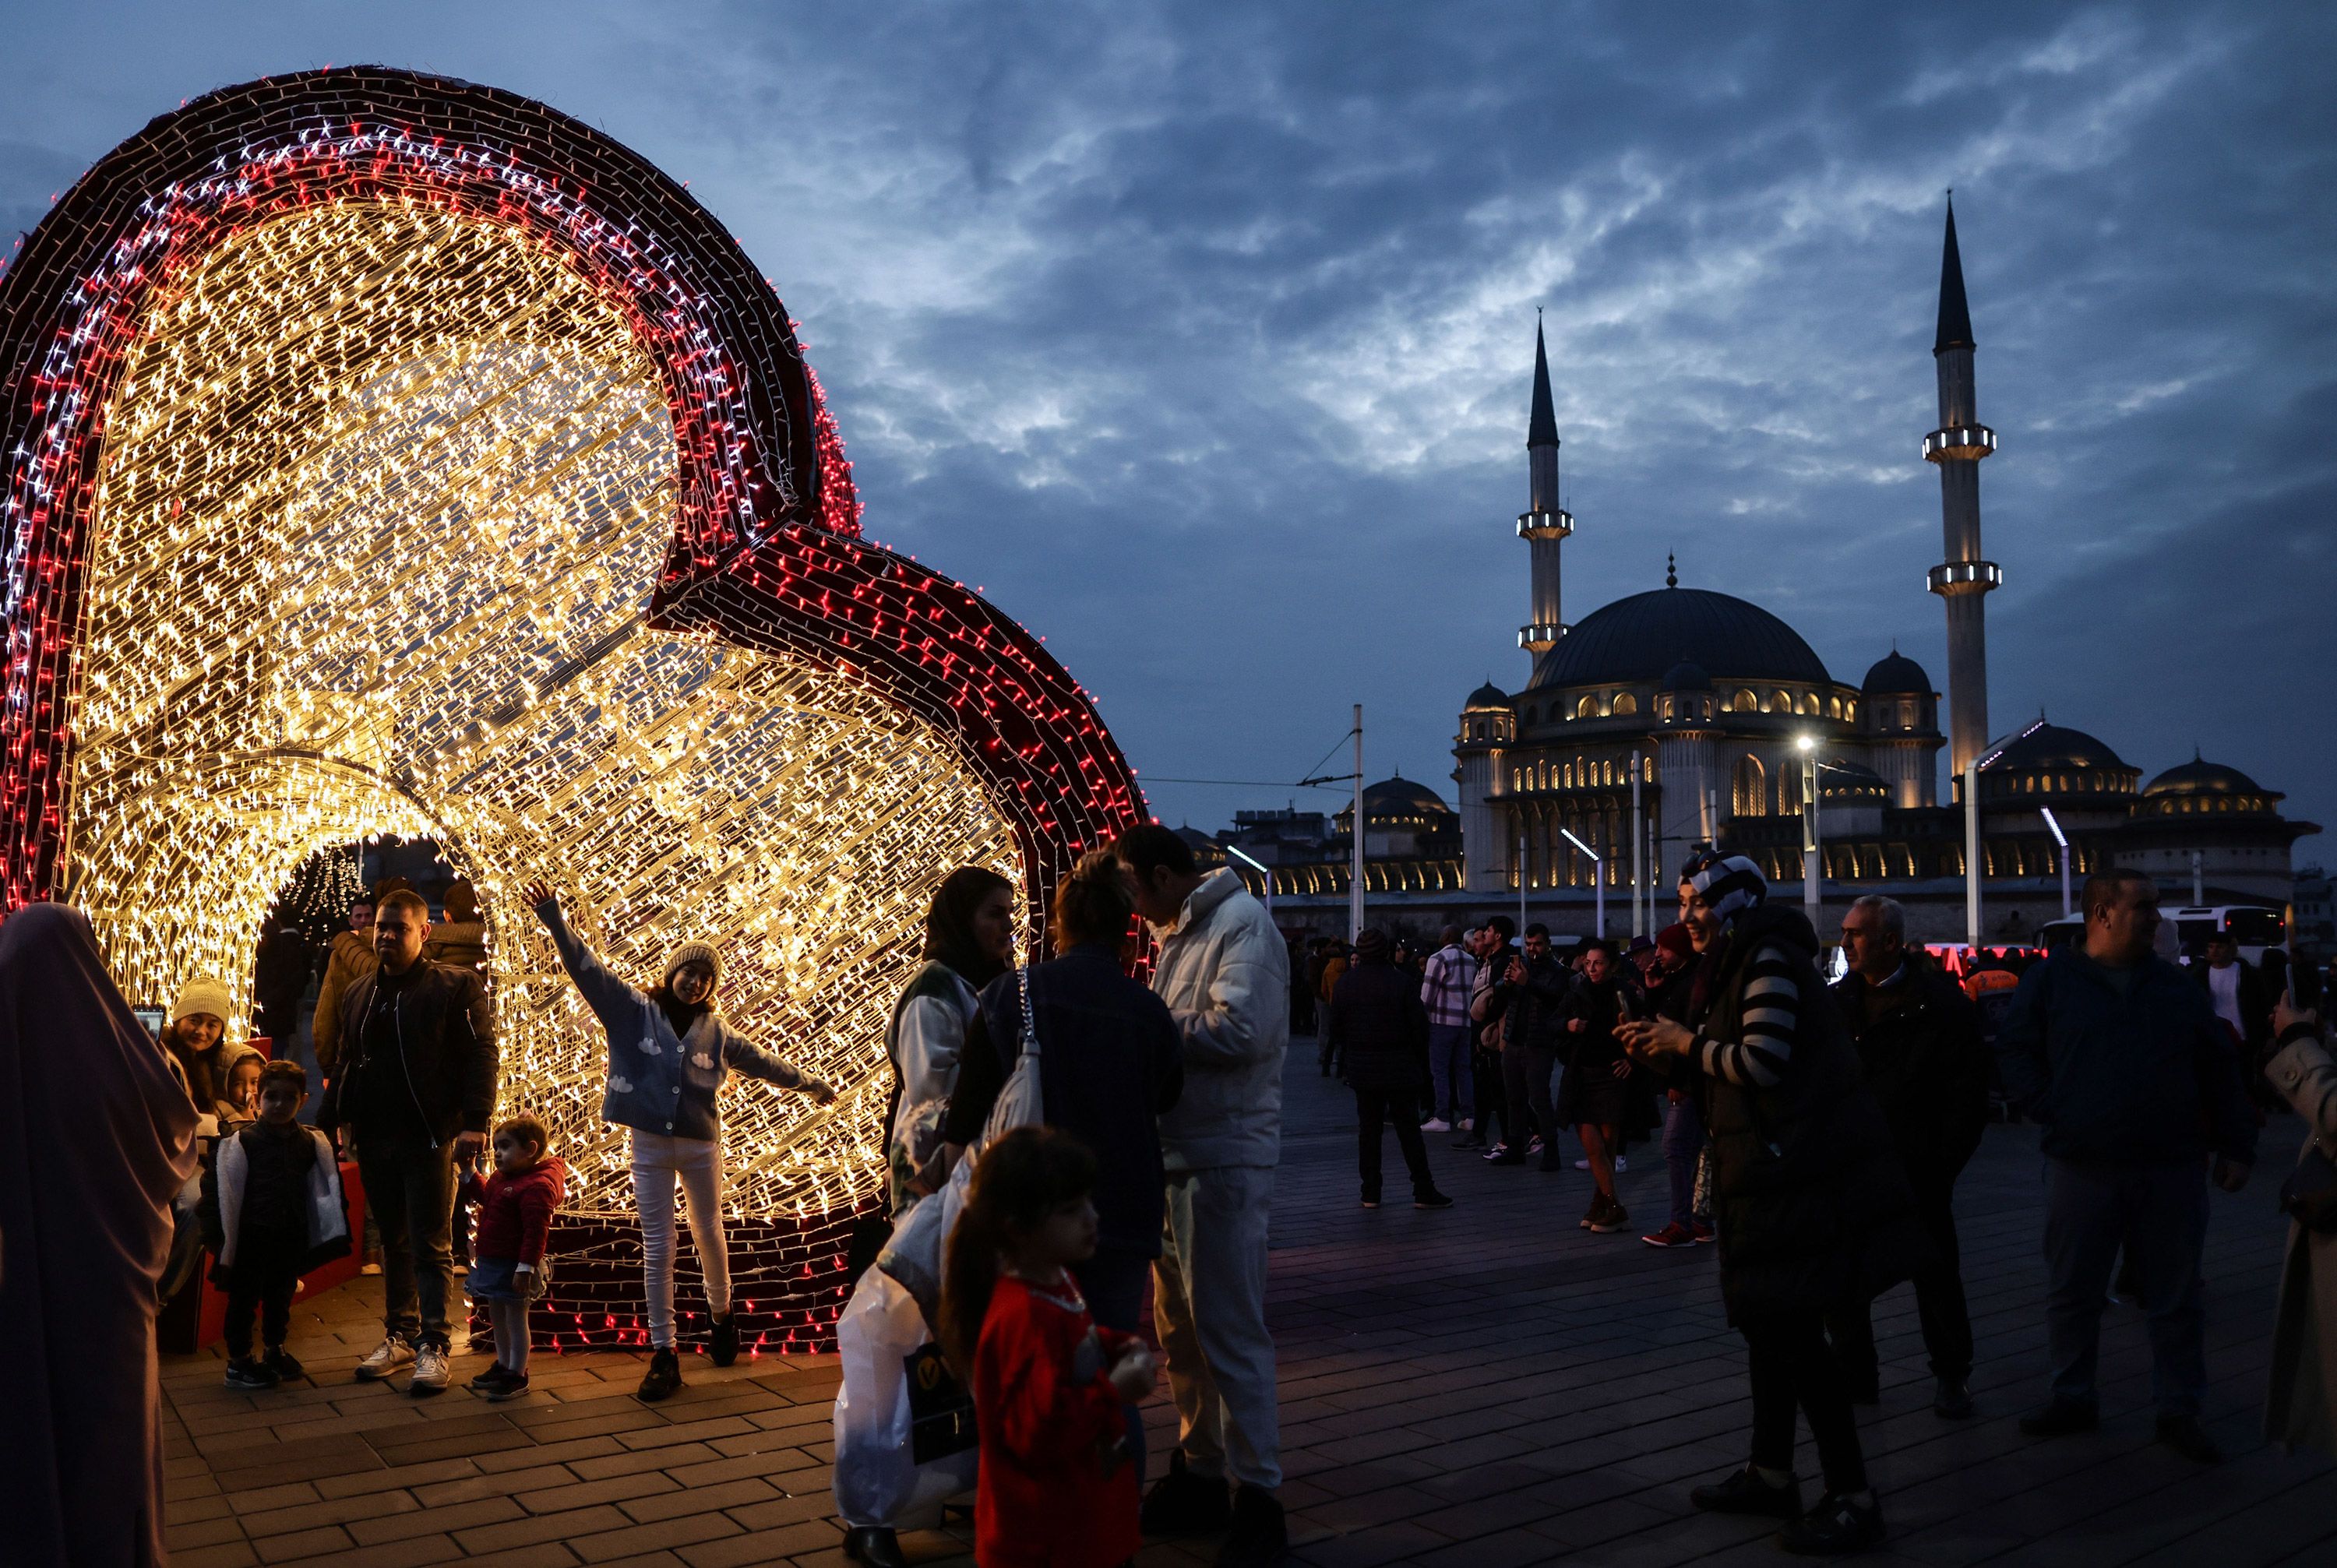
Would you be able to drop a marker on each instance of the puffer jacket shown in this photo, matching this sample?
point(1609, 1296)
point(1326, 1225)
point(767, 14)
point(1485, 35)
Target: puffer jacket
point(1808, 1194)
point(1378, 1028)
point(462, 943)
point(924, 1044)
point(1225, 972)
point(350, 959)
point(659, 1081)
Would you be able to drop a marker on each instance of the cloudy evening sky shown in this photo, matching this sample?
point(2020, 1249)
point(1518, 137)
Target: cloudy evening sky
point(1200, 336)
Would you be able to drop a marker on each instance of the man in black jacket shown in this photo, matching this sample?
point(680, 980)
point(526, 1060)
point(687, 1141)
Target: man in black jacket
point(1919, 1043)
point(2135, 1084)
point(1529, 999)
point(1379, 1026)
point(415, 1085)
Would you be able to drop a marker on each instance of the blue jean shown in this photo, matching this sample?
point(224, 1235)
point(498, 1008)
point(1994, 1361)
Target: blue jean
point(1683, 1141)
point(1448, 1071)
point(2158, 1213)
point(1113, 1282)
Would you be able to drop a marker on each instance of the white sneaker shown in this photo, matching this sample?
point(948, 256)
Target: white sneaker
point(387, 1358)
point(1467, 1123)
point(1622, 1161)
point(430, 1370)
point(1582, 1164)
point(1436, 1124)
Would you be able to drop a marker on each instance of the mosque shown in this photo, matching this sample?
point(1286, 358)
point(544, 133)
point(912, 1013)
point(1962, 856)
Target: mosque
point(1686, 716)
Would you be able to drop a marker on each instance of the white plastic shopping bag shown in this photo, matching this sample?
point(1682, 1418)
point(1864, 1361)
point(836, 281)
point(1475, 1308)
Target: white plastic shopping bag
point(896, 1463)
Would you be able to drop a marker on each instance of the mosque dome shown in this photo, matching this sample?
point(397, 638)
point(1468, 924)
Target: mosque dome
point(1488, 696)
point(1895, 675)
point(2055, 760)
point(1400, 797)
point(2199, 786)
point(1688, 675)
point(1852, 784)
point(1642, 637)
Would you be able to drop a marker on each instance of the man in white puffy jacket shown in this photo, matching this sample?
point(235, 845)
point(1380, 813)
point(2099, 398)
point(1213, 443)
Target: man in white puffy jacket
point(1225, 971)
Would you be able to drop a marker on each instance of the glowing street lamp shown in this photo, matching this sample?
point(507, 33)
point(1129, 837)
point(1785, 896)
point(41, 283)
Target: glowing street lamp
point(1598, 878)
point(2062, 840)
point(1807, 745)
point(1263, 870)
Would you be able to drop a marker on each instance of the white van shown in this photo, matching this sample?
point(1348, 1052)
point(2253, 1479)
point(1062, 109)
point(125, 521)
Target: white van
point(2257, 927)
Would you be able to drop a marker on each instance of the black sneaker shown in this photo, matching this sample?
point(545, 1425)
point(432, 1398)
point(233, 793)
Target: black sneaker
point(1259, 1535)
point(1612, 1216)
point(280, 1361)
point(1834, 1526)
point(1432, 1199)
point(1504, 1155)
point(511, 1385)
point(486, 1381)
point(1184, 1503)
point(663, 1377)
point(1953, 1402)
point(2187, 1437)
point(2059, 1419)
point(722, 1344)
point(1743, 1492)
point(243, 1372)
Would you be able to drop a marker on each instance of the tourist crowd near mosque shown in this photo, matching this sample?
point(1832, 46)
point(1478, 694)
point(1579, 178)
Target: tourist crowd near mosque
point(801, 1098)
point(1684, 716)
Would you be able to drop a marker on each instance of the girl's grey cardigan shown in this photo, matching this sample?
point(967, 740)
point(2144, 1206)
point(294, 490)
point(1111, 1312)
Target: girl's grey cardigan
point(659, 1081)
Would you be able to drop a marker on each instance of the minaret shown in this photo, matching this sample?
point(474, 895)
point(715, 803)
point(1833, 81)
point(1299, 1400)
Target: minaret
point(1544, 525)
point(1964, 578)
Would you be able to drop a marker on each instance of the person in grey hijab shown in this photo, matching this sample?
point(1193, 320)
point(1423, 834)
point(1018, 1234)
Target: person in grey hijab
point(96, 1136)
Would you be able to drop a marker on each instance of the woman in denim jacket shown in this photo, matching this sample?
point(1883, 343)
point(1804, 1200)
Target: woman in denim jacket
point(668, 1051)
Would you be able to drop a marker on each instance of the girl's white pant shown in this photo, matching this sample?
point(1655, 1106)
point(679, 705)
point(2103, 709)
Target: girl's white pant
point(657, 1161)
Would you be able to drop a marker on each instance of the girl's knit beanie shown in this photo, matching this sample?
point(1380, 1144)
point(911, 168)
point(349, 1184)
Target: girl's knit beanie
point(203, 994)
point(691, 953)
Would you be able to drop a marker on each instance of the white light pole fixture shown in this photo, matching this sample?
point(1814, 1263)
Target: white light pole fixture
point(1639, 852)
point(1263, 869)
point(1807, 745)
point(1355, 872)
point(1597, 878)
point(1971, 857)
point(2061, 839)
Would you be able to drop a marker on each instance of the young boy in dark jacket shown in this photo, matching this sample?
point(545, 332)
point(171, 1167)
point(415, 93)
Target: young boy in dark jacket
point(276, 1207)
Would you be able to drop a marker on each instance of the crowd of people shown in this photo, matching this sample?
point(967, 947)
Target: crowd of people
point(1102, 1137)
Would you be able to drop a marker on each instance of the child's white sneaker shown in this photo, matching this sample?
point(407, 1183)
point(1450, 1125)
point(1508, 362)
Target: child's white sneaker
point(386, 1358)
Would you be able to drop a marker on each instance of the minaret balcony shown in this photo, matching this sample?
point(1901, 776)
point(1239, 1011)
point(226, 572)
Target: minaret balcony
point(1541, 639)
point(1545, 525)
point(1967, 442)
point(1964, 577)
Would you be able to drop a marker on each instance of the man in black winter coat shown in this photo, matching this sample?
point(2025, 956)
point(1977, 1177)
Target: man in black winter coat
point(1919, 1044)
point(1378, 1027)
point(1530, 1000)
point(414, 1081)
point(2135, 1086)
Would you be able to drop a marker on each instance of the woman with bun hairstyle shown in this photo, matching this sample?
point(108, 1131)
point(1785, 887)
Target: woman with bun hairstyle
point(668, 1049)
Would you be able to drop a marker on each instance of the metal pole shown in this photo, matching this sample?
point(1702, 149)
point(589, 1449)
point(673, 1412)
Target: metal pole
point(1597, 878)
point(2198, 882)
point(1972, 856)
point(1810, 839)
point(1265, 870)
point(2061, 843)
point(1638, 854)
point(1356, 869)
point(1522, 874)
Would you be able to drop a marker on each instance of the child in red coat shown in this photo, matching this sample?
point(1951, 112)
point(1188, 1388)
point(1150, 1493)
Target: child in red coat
point(1049, 1388)
point(515, 1208)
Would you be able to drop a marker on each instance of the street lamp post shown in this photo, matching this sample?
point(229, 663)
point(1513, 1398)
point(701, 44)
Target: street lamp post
point(1808, 747)
point(1971, 857)
point(1639, 852)
point(1597, 878)
point(2060, 839)
point(1263, 870)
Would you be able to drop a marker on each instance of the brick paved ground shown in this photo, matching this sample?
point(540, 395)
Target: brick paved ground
point(1486, 1386)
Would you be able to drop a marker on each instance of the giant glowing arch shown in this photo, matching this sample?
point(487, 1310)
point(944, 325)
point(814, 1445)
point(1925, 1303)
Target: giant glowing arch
point(388, 454)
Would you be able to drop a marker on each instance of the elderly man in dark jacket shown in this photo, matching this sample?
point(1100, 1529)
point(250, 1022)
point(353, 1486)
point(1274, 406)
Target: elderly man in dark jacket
point(1379, 1029)
point(1919, 1043)
point(2135, 1084)
point(1530, 998)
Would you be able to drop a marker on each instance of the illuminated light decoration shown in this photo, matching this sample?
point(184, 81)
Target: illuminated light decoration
point(1555, 525)
point(1541, 639)
point(1964, 577)
point(389, 455)
point(1971, 442)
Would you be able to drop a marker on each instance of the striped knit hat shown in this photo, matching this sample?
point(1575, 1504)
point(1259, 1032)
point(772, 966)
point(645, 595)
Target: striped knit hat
point(1729, 884)
point(691, 953)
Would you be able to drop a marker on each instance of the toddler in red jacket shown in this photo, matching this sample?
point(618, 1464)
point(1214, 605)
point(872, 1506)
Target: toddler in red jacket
point(516, 1204)
point(1049, 1388)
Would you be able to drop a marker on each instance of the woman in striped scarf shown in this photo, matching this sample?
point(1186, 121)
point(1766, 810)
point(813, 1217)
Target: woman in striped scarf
point(1807, 1193)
